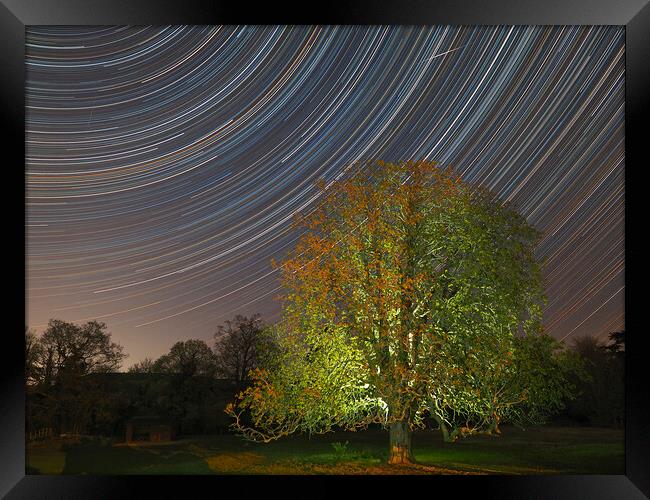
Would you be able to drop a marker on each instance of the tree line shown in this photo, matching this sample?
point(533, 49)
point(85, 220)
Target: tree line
point(72, 387)
point(600, 391)
point(62, 395)
point(239, 346)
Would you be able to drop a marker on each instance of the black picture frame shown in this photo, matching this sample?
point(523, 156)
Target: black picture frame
point(16, 14)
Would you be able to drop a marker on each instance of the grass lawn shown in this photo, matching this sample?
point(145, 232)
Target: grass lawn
point(539, 450)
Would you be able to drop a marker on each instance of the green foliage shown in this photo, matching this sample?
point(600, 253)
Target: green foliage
point(410, 293)
point(317, 383)
point(341, 450)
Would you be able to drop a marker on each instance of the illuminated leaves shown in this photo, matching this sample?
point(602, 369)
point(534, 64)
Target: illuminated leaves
point(404, 295)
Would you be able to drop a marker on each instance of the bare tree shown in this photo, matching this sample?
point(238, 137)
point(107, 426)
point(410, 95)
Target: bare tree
point(78, 350)
point(239, 346)
point(33, 356)
point(144, 366)
point(58, 366)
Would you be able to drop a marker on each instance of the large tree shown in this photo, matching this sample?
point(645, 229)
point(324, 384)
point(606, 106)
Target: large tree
point(407, 287)
point(59, 365)
point(67, 349)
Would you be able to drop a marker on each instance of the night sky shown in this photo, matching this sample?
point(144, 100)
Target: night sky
point(165, 164)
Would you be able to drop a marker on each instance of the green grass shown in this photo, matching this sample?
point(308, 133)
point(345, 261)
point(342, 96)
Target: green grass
point(46, 460)
point(534, 451)
point(540, 450)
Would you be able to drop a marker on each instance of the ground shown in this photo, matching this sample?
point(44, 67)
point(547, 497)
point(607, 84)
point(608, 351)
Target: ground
point(541, 450)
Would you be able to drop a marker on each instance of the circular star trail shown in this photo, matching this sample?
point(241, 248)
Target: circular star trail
point(165, 164)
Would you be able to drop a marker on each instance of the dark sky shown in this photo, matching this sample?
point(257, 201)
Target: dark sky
point(164, 164)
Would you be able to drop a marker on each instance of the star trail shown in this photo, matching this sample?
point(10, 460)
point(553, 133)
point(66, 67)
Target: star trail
point(165, 164)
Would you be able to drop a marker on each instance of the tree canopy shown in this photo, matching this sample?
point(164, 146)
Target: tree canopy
point(58, 368)
point(186, 358)
point(600, 390)
point(241, 346)
point(67, 348)
point(409, 293)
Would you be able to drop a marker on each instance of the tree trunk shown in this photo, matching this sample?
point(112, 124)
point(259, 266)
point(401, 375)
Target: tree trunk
point(447, 437)
point(494, 428)
point(399, 452)
point(497, 420)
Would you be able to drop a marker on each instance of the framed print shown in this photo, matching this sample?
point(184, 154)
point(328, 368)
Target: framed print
point(381, 244)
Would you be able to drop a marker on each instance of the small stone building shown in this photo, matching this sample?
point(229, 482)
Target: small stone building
point(152, 429)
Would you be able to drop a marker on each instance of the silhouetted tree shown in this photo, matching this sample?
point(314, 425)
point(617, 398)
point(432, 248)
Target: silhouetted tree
point(240, 346)
point(616, 342)
point(187, 358)
point(600, 398)
point(79, 349)
point(33, 358)
point(192, 367)
point(60, 362)
point(145, 366)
